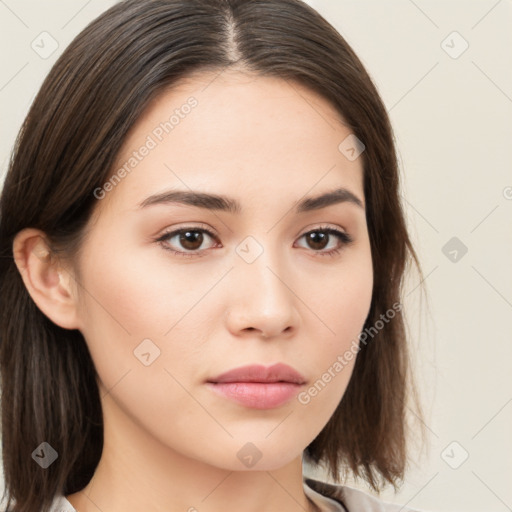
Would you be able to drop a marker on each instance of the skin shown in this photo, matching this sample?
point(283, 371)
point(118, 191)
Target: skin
point(170, 442)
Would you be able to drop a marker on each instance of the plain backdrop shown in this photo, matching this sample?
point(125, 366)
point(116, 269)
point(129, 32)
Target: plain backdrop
point(444, 71)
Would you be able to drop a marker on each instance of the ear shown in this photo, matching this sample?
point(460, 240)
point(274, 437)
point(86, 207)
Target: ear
point(47, 281)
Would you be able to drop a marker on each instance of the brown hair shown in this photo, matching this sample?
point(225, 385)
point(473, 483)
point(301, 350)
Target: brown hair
point(66, 148)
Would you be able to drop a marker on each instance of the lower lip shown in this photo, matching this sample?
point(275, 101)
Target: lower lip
point(257, 395)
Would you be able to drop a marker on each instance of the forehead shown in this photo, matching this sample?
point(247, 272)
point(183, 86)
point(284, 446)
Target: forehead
point(258, 136)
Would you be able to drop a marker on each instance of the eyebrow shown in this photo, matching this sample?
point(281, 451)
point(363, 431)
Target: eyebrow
point(230, 205)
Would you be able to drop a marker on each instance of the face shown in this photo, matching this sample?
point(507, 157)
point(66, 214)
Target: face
point(177, 291)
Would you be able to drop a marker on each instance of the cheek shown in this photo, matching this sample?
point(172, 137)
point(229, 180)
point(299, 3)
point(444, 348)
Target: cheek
point(343, 306)
point(139, 338)
point(133, 294)
point(135, 304)
point(347, 301)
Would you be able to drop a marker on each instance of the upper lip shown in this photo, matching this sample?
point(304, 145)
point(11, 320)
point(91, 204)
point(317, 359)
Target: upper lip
point(258, 373)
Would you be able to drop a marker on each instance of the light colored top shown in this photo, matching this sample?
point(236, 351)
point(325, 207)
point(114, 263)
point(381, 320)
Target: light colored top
point(328, 497)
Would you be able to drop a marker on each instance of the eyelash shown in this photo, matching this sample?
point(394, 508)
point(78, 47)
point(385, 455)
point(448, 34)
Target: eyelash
point(344, 238)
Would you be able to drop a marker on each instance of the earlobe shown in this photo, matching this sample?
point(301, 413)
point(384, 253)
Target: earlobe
point(46, 280)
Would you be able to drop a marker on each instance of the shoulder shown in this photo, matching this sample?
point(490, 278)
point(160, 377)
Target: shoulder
point(354, 500)
point(61, 504)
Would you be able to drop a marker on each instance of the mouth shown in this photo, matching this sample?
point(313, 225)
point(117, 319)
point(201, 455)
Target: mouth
point(258, 373)
point(257, 386)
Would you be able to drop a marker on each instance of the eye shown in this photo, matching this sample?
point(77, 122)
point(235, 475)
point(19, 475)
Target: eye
point(190, 240)
point(320, 237)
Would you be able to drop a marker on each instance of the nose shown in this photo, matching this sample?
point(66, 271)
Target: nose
point(262, 301)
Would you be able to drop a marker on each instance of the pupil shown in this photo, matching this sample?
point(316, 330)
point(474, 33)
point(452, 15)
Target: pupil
point(190, 238)
point(318, 238)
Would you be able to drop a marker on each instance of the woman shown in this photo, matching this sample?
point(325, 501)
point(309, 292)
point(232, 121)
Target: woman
point(202, 252)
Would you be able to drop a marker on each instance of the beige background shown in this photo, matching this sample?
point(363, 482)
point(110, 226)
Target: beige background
point(452, 113)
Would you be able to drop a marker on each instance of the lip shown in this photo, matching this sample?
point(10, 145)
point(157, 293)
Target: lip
point(257, 386)
point(279, 372)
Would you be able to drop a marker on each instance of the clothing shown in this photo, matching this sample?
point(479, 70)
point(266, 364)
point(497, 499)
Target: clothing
point(328, 498)
point(341, 498)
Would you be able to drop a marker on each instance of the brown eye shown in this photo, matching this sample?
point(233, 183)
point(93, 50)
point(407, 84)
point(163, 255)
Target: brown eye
point(187, 241)
point(319, 239)
point(191, 240)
